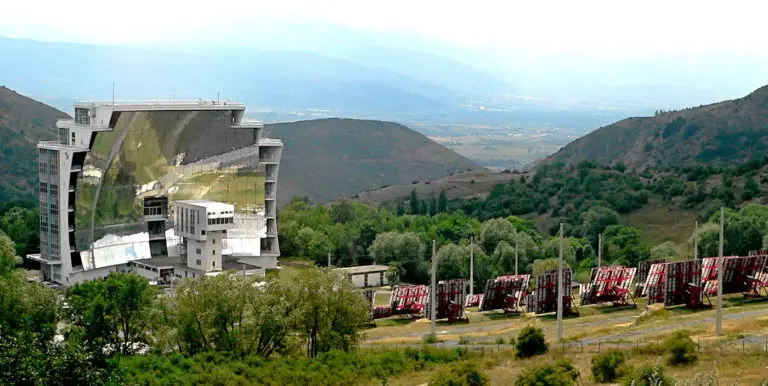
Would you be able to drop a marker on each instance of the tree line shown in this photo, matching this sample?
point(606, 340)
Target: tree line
point(79, 338)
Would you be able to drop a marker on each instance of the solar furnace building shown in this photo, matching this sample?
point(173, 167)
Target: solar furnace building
point(109, 184)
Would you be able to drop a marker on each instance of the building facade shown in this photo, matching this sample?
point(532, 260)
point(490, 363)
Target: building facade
point(366, 275)
point(109, 187)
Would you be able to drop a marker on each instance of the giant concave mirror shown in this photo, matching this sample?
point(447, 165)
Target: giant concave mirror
point(181, 155)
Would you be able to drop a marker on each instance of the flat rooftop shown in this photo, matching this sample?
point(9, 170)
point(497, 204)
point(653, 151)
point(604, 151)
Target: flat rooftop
point(231, 263)
point(160, 105)
point(228, 263)
point(212, 205)
point(361, 269)
point(160, 261)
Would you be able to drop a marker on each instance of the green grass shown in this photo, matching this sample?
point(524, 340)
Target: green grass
point(394, 321)
point(290, 266)
point(659, 224)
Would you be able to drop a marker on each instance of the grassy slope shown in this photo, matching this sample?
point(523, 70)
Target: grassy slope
point(329, 158)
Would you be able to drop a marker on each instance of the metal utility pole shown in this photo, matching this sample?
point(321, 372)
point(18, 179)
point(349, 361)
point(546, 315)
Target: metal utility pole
point(329, 259)
point(432, 291)
point(599, 250)
point(560, 289)
point(696, 241)
point(471, 265)
point(516, 243)
point(719, 318)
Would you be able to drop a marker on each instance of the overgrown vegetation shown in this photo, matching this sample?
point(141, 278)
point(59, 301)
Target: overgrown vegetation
point(530, 342)
point(331, 368)
point(462, 374)
point(609, 366)
point(560, 373)
point(648, 375)
point(680, 349)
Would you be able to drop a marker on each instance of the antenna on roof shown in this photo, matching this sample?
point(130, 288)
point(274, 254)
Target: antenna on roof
point(218, 96)
point(113, 94)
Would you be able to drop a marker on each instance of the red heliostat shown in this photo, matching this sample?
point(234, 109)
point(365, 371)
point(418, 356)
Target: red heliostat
point(505, 292)
point(609, 285)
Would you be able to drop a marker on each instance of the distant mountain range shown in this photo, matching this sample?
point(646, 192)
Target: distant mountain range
point(264, 79)
point(728, 132)
point(358, 79)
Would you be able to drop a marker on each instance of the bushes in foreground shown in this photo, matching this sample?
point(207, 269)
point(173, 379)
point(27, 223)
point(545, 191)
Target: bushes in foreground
point(648, 375)
point(561, 373)
point(332, 368)
point(608, 367)
point(531, 342)
point(680, 349)
point(463, 374)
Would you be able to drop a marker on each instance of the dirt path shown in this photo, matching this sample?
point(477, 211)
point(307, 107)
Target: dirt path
point(629, 334)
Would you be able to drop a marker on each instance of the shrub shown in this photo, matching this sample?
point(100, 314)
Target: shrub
point(531, 342)
point(500, 340)
point(680, 349)
point(648, 375)
point(608, 367)
point(429, 339)
point(465, 373)
point(463, 340)
point(561, 373)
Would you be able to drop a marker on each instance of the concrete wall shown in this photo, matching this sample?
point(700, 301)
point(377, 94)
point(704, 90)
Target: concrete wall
point(374, 279)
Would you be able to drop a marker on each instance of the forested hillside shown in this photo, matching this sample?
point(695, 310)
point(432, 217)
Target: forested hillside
point(23, 122)
point(728, 132)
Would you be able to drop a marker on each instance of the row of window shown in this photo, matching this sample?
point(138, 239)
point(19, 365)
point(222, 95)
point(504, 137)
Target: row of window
point(217, 221)
point(153, 211)
point(223, 212)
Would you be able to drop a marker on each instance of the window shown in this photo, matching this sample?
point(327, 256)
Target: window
point(73, 139)
point(214, 264)
point(213, 252)
point(198, 262)
point(198, 251)
point(213, 241)
point(381, 278)
point(43, 187)
point(202, 232)
point(365, 280)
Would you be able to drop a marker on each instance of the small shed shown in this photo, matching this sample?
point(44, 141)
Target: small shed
point(367, 275)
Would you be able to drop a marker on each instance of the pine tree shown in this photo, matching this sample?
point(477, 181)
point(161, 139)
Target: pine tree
point(432, 206)
point(442, 203)
point(414, 203)
point(423, 207)
point(400, 208)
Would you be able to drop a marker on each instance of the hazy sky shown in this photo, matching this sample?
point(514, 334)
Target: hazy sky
point(611, 29)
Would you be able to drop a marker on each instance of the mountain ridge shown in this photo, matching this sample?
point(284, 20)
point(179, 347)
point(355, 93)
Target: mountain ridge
point(346, 162)
point(730, 131)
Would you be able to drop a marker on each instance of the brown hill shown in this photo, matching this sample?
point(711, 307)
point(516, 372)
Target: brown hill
point(330, 158)
point(727, 132)
point(23, 122)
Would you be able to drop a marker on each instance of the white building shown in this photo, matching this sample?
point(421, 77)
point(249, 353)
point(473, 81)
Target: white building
point(367, 275)
point(110, 186)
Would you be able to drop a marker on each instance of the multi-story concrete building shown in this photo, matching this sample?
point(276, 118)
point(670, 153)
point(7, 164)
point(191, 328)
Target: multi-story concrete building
point(110, 185)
